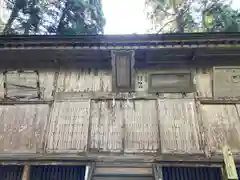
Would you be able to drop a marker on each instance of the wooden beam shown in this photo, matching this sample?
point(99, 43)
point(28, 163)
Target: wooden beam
point(26, 171)
point(157, 172)
point(14, 102)
point(90, 171)
point(229, 171)
point(62, 96)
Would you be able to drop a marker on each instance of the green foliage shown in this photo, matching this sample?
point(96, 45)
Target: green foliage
point(224, 19)
point(67, 17)
point(193, 16)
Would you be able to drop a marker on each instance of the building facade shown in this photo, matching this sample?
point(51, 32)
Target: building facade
point(108, 107)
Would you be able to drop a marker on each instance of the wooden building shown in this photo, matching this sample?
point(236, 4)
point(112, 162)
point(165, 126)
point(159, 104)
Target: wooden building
point(118, 107)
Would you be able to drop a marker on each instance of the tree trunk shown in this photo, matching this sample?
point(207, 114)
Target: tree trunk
point(179, 17)
point(12, 17)
point(60, 26)
point(179, 22)
point(32, 14)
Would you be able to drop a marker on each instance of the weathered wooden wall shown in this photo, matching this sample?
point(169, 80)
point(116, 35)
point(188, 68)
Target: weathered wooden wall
point(171, 123)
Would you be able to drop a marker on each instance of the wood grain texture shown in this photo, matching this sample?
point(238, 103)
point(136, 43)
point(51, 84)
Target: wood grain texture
point(84, 80)
point(220, 126)
point(22, 85)
point(68, 130)
point(123, 71)
point(107, 120)
point(22, 128)
point(47, 83)
point(142, 85)
point(203, 80)
point(121, 126)
point(226, 81)
point(141, 126)
point(178, 126)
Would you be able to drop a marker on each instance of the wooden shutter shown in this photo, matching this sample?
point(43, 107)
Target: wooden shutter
point(226, 82)
point(22, 85)
point(122, 64)
point(171, 81)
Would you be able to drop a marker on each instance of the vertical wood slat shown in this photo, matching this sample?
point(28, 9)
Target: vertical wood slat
point(26, 172)
point(203, 78)
point(22, 128)
point(69, 124)
point(220, 126)
point(83, 80)
point(229, 164)
point(123, 70)
point(179, 126)
point(157, 170)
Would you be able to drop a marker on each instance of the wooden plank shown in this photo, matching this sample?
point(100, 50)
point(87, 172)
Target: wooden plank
point(226, 81)
point(142, 86)
point(22, 85)
point(47, 83)
point(123, 70)
point(22, 128)
point(65, 96)
point(84, 80)
point(118, 126)
point(203, 80)
point(106, 126)
point(2, 80)
point(121, 170)
point(192, 159)
point(157, 171)
point(172, 81)
point(220, 125)
point(26, 172)
point(68, 131)
point(179, 126)
point(141, 126)
point(229, 164)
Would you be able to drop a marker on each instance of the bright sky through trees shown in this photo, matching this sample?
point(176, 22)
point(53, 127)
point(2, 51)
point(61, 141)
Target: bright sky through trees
point(122, 19)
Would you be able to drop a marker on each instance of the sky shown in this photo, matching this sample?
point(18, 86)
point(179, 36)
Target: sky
point(127, 16)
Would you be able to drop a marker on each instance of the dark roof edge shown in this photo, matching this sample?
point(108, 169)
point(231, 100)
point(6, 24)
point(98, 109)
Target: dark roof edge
point(124, 38)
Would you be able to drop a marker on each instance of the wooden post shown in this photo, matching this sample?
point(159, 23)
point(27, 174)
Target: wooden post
point(157, 171)
point(229, 169)
point(26, 171)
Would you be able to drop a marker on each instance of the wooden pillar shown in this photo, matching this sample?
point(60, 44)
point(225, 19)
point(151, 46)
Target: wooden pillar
point(229, 170)
point(157, 171)
point(26, 171)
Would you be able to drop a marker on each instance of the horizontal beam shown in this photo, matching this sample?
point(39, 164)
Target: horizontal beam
point(24, 102)
point(41, 39)
point(133, 158)
point(127, 46)
point(63, 96)
point(69, 96)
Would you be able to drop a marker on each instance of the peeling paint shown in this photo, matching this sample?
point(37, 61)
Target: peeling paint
point(22, 128)
point(221, 126)
point(178, 126)
point(203, 79)
point(79, 80)
point(68, 130)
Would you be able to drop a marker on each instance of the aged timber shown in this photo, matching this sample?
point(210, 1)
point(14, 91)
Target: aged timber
point(143, 98)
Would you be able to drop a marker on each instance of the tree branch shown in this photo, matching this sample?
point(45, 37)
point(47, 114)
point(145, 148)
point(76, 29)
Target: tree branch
point(168, 22)
point(163, 10)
